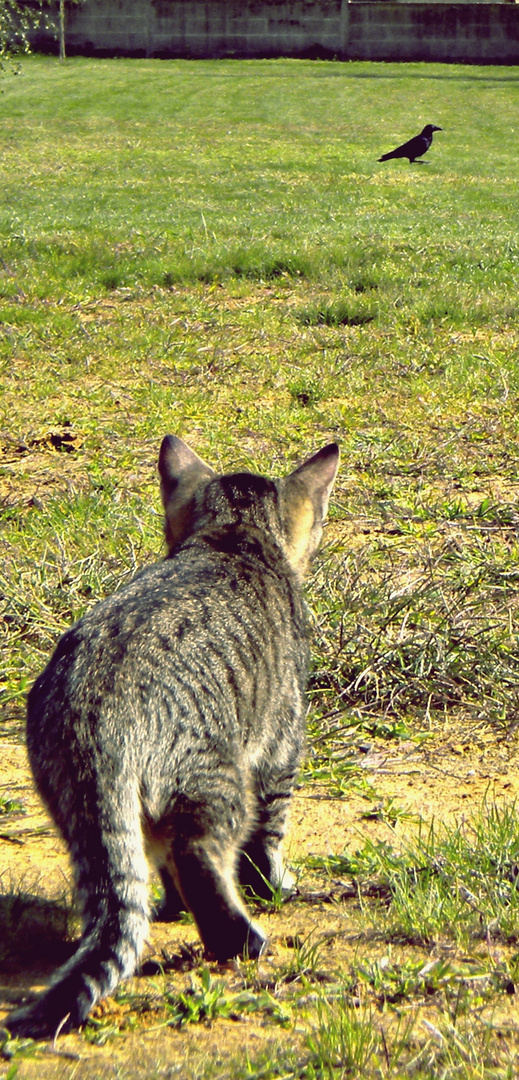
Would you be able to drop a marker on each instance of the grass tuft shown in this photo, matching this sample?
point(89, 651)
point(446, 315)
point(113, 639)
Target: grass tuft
point(459, 882)
point(354, 311)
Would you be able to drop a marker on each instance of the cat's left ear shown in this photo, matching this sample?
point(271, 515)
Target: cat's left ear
point(306, 494)
point(182, 473)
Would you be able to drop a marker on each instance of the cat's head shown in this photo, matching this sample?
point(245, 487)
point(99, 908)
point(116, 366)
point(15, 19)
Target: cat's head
point(291, 510)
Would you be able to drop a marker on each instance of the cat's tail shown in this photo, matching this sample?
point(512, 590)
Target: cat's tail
point(112, 884)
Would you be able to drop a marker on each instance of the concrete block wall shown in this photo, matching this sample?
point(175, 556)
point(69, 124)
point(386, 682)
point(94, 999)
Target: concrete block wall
point(364, 30)
point(206, 29)
point(449, 33)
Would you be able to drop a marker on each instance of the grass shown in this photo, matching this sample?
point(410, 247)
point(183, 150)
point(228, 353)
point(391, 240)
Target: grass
point(212, 249)
point(456, 882)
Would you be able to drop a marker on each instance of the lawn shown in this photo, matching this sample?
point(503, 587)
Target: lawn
point(213, 249)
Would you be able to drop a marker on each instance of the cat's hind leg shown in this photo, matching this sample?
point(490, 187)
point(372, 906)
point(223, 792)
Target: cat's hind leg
point(261, 868)
point(202, 837)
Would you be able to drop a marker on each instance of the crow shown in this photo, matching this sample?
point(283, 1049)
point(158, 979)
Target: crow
point(414, 148)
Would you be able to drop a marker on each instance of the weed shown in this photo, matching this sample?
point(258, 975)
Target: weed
point(202, 1003)
point(342, 312)
point(306, 958)
point(433, 633)
point(343, 1038)
point(15, 1050)
point(10, 806)
point(390, 811)
point(276, 893)
point(305, 391)
point(349, 1040)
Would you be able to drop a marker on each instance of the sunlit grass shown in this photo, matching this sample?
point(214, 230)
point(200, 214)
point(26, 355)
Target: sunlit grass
point(447, 882)
point(181, 171)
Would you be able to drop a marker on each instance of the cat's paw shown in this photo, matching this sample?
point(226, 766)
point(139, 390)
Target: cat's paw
point(249, 943)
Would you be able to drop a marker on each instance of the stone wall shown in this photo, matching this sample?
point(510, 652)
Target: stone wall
point(466, 33)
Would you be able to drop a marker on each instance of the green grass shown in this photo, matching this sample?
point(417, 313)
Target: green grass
point(261, 170)
point(448, 882)
point(212, 249)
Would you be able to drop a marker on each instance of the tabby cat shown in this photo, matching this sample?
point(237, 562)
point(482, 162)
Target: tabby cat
point(169, 724)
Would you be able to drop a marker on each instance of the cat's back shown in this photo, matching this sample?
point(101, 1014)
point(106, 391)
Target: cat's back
point(223, 582)
point(218, 629)
point(209, 645)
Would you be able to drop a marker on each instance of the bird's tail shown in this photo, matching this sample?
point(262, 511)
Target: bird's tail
point(386, 157)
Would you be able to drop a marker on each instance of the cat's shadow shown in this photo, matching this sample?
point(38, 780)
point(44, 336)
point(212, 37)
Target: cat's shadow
point(36, 933)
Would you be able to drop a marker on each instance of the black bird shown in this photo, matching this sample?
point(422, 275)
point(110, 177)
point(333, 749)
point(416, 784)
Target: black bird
point(414, 148)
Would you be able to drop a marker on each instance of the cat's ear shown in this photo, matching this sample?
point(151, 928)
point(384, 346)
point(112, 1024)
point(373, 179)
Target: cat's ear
point(317, 475)
point(176, 458)
point(182, 472)
point(306, 494)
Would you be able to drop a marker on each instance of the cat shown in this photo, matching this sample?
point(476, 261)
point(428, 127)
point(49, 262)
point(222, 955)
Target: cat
point(169, 724)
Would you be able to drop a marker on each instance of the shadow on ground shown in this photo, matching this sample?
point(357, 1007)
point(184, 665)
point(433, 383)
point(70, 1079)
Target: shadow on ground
point(36, 933)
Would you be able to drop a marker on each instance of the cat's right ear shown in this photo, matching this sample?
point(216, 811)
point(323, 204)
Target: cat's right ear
point(306, 494)
point(182, 472)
